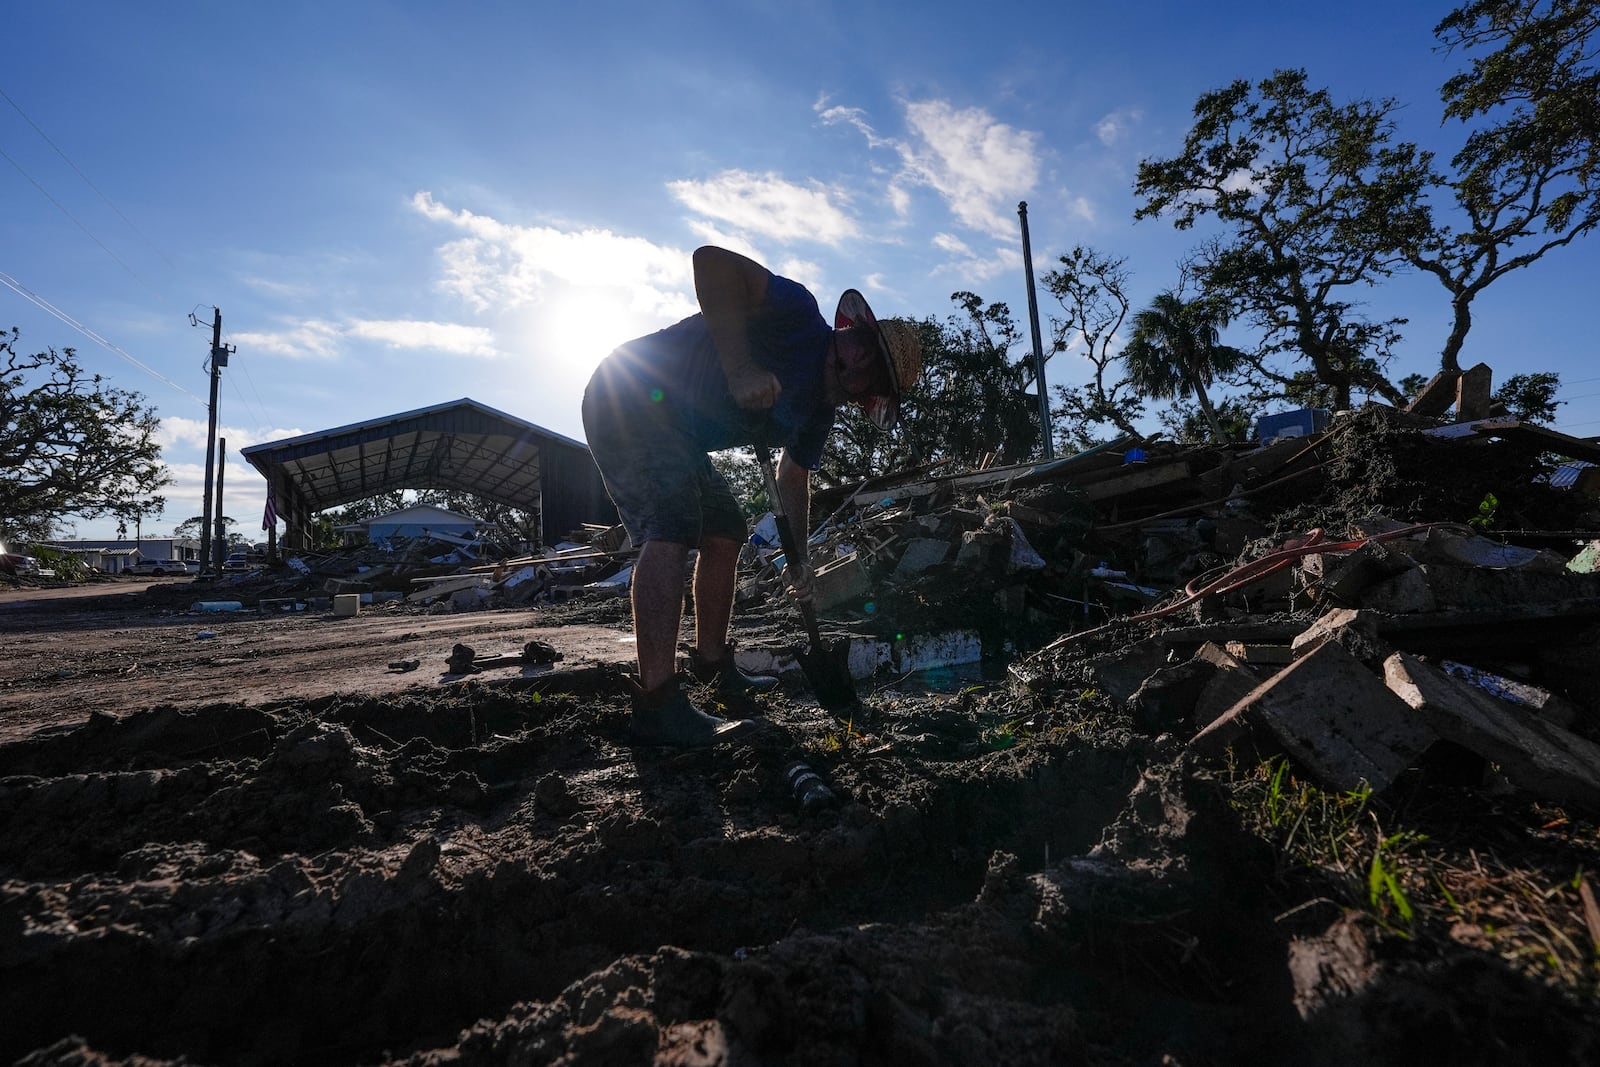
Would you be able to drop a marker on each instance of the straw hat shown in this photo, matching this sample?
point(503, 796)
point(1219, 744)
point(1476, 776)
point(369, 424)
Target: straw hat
point(901, 350)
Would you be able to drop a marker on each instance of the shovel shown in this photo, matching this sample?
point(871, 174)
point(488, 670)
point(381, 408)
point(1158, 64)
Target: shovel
point(827, 667)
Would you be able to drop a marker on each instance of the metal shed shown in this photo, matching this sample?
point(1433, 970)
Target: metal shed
point(461, 444)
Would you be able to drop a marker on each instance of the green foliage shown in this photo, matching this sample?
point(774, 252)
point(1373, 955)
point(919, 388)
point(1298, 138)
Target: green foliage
point(192, 527)
point(1487, 507)
point(1091, 289)
point(1385, 890)
point(1530, 397)
point(1187, 423)
point(739, 468)
point(1310, 195)
point(969, 402)
point(70, 444)
point(1412, 384)
point(515, 524)
point(1177, 351)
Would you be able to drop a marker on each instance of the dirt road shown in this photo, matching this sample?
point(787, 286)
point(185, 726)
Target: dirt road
point(82, 650)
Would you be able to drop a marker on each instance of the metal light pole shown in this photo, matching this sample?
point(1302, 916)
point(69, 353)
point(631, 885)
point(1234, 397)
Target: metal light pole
point(1038, 345)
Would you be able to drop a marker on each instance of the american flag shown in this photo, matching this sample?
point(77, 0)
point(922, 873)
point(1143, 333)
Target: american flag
point(269, 517)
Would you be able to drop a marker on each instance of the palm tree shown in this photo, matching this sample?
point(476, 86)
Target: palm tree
point(1177, 351)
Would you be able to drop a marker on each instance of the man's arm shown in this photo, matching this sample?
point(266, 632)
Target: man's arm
point(731, 288)
point(794, 486)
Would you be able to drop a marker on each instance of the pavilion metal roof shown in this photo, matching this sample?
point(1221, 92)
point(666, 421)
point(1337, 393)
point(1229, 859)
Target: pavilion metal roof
point(461, 444)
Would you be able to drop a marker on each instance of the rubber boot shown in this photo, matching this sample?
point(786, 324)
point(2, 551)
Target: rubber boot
point(728, 678)
point(665, 716)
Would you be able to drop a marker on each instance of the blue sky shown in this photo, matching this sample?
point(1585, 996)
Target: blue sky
point(397, 204)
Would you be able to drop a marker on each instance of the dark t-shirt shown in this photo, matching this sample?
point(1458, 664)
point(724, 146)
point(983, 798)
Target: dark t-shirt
point(788, 337)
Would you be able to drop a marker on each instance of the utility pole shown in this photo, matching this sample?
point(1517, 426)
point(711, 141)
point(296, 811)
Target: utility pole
point(218, 360)
point(1038, 346)
point(219, 544)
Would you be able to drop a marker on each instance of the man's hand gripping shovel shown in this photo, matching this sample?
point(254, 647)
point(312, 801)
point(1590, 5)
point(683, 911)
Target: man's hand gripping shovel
point(826, 667)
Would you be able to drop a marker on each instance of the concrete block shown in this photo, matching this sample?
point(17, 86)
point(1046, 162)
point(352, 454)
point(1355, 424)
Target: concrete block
point(921, 652)
point(920, 554)
point(1121, 674)
point(1366, 566)
point(1231, 682)
point(1407, 593)
point(1168, 697)
point(841, 580)
point(1334, 716)
point(1541, 758)
point(1355, 629)
point(1260, 655)
point(347, 604)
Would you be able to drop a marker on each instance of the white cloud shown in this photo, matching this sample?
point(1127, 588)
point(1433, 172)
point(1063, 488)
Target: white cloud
point(850, 116)
point(769, 206)
point(946, 242)
point(500, 266)
point(176, 430)
point(1115, 127)
point(1244, 181)
point(980, 166)
point(973, 267)
point(436, 336)
point(312, 339)
point(316, 339)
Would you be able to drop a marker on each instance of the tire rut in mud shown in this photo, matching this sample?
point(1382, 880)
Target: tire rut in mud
point(333, 881)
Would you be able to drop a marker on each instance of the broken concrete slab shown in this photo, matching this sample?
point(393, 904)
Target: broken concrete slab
point(1541, 758)
point(1366, 566)
point(920, 554)
point(1231, 682)
point(1407, 593)
point(1275, 655)
point(1167, 698)
point(1334, 716)
point(1354, 628)
point(1122, 673)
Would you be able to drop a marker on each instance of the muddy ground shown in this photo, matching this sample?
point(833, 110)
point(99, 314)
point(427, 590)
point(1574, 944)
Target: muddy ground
point(267, 847)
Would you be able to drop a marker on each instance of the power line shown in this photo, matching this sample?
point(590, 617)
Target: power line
point(76, 170)
point(87, 232)
point(44, 305)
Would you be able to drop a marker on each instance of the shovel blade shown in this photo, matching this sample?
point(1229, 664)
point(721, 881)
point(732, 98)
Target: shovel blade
point(827, 668)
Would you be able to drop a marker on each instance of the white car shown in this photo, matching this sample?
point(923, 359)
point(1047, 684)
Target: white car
point(157, 568)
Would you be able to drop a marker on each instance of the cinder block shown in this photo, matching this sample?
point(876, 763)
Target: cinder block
point(843, 579)
point(347, 604)
point(1334, 716)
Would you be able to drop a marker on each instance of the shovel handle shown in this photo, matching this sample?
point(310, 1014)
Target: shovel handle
point(792, 552)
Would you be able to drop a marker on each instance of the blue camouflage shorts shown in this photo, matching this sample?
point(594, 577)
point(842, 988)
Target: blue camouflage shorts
point(663, 484)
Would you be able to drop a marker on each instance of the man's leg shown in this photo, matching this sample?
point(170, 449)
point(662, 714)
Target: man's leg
point(658, 610)
point(714, 575)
